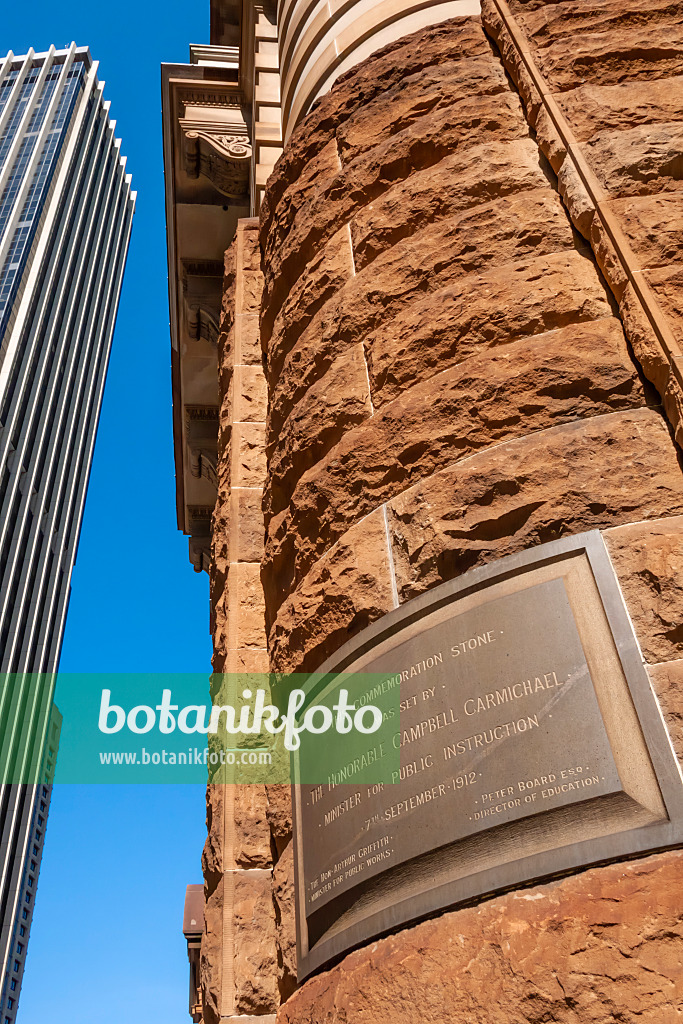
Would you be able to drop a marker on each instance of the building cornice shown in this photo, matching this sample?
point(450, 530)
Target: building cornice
point(221, 139)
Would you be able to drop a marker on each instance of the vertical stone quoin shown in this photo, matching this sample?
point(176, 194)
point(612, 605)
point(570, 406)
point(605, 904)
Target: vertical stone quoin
point(449, 382)
point(238, 953)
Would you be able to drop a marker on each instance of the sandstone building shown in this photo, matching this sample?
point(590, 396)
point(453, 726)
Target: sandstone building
point(66, 211)
point(426, 305)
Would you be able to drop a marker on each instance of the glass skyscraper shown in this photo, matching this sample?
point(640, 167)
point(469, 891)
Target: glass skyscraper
point(66, 210)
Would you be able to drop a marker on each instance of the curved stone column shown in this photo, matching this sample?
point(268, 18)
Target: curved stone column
point(449, 382)
point(597, 947)
point(320, 40)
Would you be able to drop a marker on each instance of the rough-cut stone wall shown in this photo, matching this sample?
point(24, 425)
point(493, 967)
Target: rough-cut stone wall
point(239, 973)
point(448, 382)
point(448, 379)
point(597, 948)
point(602, 86)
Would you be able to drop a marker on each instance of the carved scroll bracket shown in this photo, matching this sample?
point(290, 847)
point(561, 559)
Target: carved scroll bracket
point(219, 151)
point(199, 522)
point(201, 425)
point(202, 294)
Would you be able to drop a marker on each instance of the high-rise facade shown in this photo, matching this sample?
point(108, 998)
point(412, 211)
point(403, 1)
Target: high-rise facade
point(66, 211)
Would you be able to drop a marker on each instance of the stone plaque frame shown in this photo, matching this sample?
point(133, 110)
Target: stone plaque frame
point(636, 808)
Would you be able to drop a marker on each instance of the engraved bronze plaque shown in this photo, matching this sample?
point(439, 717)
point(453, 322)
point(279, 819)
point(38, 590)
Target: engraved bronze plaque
point(530, 744)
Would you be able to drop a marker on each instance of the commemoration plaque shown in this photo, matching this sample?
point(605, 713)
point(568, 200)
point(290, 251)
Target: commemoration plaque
point(530, 744)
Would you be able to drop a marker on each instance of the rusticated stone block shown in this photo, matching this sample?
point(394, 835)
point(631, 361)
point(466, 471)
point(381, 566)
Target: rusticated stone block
point(461, 180)
point(603, 43)
point(220, 529)
point(255, 660)
point(239, 616)
point(577, 199)
point(244, 528)
point(245, 620)
point(250, 250)
point(607, 257)
point(279, 812)
point(242, 286)
point(578, 371)
point(638, 161)
point(599, 472)
point(227, 314)
point(311, 156)
point(591, 109)
point(339, 400)
point(420, 145)
point(481, 311)
point(653, 226)
point(505, 230)
point(440, 132)
point(667, 682)
point(407, 102)
point(262, 1018)
point(249, 292)
point(549, 140)
point(597, 947)
point(212, 856)
point(645, 343)
point(314, 162)
point(247, 339)
point(251, 830)
point(648, 559)
point(313, 353)
point(349, 587)
point(318, 282)
point(253, 919)
point(220, 622)
point(249, 394)
point(667, 284)
point(547, 22)
point(247, 457)
point(249, 279)
point(673, 403)
point(285, 921)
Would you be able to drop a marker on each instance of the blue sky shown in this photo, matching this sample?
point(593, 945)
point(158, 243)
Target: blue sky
point(106, 943)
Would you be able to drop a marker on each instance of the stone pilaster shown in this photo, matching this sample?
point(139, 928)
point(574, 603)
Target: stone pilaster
point(266, 99)
point(239, 958)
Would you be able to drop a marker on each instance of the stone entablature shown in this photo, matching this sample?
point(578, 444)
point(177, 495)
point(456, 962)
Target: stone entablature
point(198, 112)
point(222, 136)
